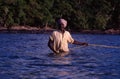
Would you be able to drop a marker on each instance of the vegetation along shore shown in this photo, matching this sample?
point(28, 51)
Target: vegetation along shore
point(84, 16)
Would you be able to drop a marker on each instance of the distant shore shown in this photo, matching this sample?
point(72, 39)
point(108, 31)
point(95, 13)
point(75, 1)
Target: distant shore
point(28, 29)
point(25, 29)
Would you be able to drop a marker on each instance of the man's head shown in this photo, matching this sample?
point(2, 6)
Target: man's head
point(62, 23)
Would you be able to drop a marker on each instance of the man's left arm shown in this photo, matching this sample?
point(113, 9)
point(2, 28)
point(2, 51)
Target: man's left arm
point(80, 43)
point(71, 40)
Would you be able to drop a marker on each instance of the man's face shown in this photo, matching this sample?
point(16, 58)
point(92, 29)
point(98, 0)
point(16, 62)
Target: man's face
point(62, 26)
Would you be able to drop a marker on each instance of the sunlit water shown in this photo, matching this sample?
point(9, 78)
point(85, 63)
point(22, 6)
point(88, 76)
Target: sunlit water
point(25, 56)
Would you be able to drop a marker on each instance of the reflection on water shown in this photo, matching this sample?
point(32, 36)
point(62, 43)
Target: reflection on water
point(25, 56)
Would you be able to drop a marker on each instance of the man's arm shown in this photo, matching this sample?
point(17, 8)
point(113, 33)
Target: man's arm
point(80, 43)
point(51, 47)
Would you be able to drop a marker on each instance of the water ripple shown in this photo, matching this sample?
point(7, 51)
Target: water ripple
point(25, 56)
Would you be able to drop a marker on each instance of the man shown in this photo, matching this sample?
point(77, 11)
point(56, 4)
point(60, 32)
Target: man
point(58, 41)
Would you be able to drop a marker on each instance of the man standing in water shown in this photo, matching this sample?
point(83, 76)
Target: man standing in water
point(58, 41)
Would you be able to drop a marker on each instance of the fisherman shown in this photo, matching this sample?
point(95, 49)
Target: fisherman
point(58, 41)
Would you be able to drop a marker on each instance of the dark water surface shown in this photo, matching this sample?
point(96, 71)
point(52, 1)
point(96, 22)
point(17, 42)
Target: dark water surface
point(25, 56)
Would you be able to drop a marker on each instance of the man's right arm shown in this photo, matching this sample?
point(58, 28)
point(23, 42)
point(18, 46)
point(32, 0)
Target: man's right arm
point(51, 47)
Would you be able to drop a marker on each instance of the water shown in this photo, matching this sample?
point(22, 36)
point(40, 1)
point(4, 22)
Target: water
point(25, 56)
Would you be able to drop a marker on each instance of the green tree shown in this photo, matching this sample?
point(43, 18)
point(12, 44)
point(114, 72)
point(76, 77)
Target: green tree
point(80, 14)
point(114, 19)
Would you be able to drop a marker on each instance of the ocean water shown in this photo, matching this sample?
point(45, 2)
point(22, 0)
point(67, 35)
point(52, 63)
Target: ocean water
point(26, 56)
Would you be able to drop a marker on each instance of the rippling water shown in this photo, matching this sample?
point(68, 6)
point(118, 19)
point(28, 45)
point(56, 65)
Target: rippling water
point(25, 56)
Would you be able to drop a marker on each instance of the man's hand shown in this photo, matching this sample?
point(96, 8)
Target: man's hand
point(80, 43)
point(86, 44)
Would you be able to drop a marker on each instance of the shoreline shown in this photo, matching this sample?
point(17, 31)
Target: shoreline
point(37, 30)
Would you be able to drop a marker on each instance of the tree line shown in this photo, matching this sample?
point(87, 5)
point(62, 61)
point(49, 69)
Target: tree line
point(80, 14)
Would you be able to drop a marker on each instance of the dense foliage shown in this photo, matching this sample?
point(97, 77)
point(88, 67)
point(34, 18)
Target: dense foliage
point(81, 14)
